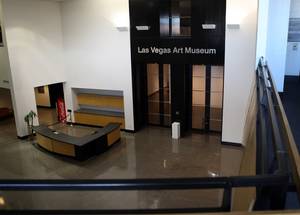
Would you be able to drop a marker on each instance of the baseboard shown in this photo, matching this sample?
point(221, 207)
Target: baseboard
point(232, 144)
point(128, 131)
point(26, 136)
point(23, 137)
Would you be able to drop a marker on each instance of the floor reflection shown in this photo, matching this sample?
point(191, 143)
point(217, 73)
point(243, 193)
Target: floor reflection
point(150, 153)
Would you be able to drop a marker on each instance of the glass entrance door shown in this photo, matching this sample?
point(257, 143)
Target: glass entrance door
point(203, 90)
point(216, 98)
point(159, 94)
point(198, 96)
point(207, 97)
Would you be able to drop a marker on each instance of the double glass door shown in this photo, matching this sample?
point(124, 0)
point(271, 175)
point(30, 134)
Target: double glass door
point(204, 107)
point(159, 94)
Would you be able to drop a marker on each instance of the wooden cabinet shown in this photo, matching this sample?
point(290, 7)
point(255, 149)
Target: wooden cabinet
point(99, 107)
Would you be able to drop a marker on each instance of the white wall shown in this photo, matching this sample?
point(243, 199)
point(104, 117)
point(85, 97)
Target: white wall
point(293, 48)
point(4, 61)
point(34, 41)
point(97, 55)
point(240, 64)
point(262, 25)
point(279, 11)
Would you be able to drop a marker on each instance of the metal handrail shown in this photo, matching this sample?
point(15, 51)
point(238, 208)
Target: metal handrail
point(289, 142)
point(142, 184)
point(266, 82)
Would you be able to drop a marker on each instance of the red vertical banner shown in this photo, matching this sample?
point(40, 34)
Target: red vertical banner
point(61, 110)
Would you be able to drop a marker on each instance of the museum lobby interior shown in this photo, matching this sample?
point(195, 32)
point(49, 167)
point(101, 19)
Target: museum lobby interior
point(149, 107)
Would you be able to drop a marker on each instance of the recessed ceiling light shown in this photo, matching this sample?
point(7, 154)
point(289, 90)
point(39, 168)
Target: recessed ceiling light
point(209, 26)
point(143, 28)
point(122, 28)
point(233, 26)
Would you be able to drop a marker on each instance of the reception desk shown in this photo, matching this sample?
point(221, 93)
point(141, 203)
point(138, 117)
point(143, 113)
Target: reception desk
point(79, 142)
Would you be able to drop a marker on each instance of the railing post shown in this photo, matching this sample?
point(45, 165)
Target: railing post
point(226, 204)
point(278, 196)
point(262, 196)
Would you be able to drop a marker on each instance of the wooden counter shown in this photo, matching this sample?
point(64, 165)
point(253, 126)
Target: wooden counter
point(78, 147)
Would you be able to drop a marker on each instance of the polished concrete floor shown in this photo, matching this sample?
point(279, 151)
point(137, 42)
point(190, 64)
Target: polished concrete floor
point(150, 153)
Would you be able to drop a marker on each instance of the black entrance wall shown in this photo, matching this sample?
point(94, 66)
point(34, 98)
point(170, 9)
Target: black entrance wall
point(209, 47)
point(148, 13)
point(139, 81)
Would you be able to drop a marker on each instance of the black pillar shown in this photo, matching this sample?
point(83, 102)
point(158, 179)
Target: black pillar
point(178, 98)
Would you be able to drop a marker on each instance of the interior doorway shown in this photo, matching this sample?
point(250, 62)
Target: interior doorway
point(159, 94)
point(6, 107)
point(207, 97)
point(46, 99)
